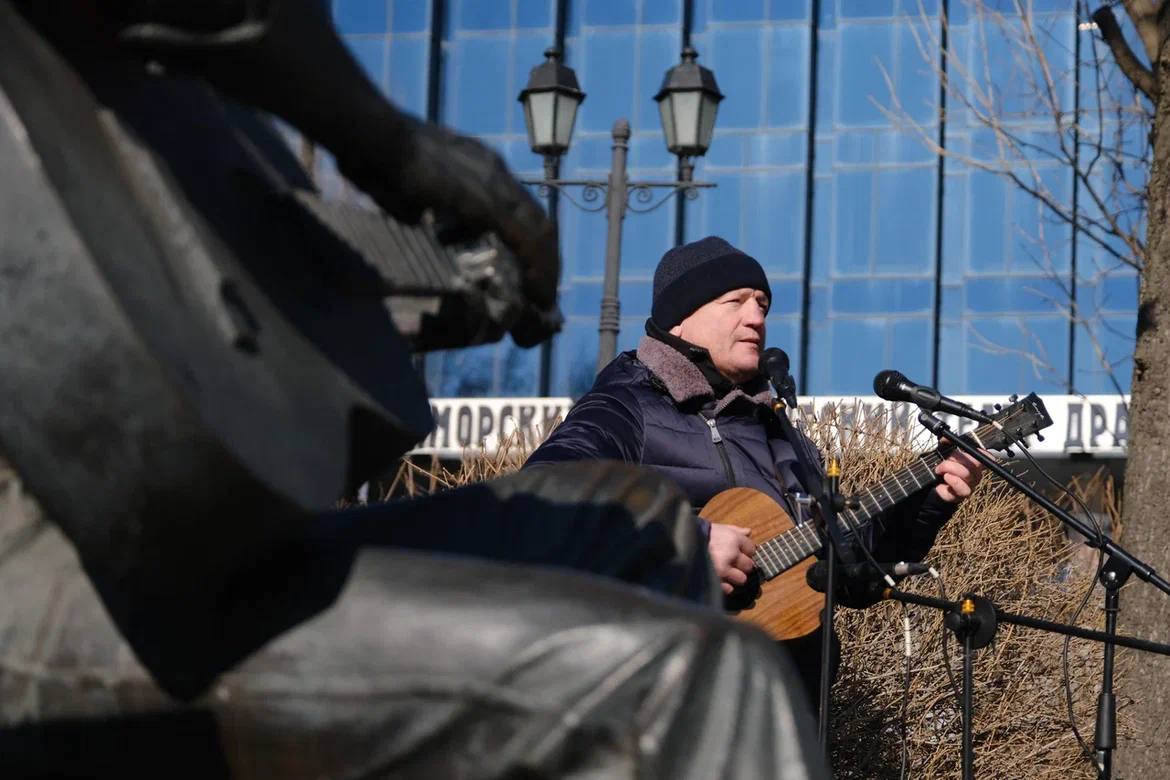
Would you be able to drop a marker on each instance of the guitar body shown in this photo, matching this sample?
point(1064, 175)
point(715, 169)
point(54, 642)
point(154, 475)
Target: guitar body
point(787, 608)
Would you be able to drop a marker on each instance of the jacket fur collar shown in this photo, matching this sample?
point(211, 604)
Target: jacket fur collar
point(684, 381)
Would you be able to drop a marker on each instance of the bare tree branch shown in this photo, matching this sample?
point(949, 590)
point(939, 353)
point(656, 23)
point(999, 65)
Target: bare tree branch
point(1027, 126)
point(1010, 166)
point(1017, 148)
point(1138, 74)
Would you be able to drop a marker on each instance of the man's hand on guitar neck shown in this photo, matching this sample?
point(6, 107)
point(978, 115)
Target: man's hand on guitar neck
point(960, 474)
point(731, 552)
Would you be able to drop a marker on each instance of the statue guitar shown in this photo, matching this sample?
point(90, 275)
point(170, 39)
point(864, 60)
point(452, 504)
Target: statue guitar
point(787, 607)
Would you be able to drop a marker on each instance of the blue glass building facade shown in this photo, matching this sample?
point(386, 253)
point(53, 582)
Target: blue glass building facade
point(881, 252)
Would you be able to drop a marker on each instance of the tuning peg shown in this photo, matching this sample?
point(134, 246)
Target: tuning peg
point(1013, 398)
point(1008, 451)
point(1039, 437)
point(998, 407)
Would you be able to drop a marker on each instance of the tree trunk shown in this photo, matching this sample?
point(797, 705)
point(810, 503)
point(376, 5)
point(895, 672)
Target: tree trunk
point(1145, 611)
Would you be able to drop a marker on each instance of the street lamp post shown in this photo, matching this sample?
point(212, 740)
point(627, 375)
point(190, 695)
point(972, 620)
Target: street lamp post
point(687, 102)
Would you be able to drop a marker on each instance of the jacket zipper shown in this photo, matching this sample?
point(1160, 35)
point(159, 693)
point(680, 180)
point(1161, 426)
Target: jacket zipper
point(720, 448)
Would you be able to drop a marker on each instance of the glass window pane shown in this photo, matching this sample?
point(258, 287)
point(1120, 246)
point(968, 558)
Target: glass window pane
point(409, 16)
point(483, 14)
point(359, 17)
point(408, 73)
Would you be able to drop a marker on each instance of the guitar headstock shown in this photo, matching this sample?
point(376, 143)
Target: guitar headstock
point(1021, 419)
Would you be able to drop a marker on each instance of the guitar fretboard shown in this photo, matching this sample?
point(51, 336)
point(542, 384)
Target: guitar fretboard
point(782, 552)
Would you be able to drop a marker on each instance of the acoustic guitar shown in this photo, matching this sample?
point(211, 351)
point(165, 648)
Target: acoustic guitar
point(787, 607)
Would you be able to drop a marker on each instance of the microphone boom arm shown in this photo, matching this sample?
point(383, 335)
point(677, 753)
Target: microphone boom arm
point(1143, 570)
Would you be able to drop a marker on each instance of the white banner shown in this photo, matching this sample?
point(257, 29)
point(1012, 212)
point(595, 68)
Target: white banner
point(1095, 424)
point(469, 423)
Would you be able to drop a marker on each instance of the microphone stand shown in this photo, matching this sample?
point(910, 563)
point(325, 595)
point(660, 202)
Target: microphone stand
point(828, 500)
point(1113, 575)
point(974, 620)
point(1143, 570)
point(1120, 565)
point(828, 504)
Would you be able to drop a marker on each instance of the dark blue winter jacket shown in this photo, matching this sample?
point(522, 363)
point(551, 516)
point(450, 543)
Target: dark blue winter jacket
point(665, 406)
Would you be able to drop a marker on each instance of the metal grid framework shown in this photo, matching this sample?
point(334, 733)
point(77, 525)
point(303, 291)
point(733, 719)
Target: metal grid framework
point(880, 254)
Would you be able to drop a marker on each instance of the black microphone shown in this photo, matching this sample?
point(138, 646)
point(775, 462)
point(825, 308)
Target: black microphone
point(904, 569)
point(865, 569)
point(774, 365)
point(894, 386)
point(859, 586)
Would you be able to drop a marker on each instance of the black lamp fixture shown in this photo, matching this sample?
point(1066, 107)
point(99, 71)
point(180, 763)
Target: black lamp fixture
point(687, 103)
point(550, 104)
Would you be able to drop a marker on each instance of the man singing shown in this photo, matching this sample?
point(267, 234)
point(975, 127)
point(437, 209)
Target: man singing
point(691, 403)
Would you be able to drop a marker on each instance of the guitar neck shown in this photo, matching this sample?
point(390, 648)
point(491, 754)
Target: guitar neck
point(782, 552)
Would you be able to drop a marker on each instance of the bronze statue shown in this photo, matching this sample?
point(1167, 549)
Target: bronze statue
point(198, 356)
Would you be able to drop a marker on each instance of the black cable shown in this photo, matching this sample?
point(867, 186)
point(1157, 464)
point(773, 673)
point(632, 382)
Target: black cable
point(942, 594)
point(856, 530)
point(1088, 513)
point(902, 726)
point(1066, 677)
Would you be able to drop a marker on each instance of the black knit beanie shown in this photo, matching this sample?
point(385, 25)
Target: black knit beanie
point(691, 275)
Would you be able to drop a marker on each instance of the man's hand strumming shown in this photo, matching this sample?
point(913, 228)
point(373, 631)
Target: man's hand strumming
point(731, 554)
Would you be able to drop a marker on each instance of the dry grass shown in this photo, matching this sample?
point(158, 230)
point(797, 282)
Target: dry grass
point(420, 476)
point(998, 546)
